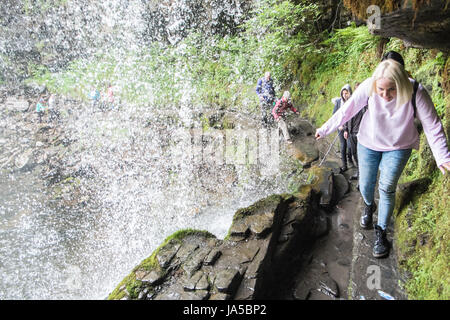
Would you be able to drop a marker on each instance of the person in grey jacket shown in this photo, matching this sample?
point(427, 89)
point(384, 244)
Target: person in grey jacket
point(351, 129)
point(346, 92)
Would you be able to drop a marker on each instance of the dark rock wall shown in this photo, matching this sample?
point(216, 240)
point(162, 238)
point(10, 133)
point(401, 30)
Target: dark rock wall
point(423, 24)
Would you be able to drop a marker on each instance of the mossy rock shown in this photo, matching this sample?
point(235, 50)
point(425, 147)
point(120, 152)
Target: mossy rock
point(258, 218)
point(154, 269)
point(407, 191)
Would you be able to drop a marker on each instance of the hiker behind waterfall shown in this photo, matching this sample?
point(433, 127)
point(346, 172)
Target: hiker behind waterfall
point(346, 92)
point(266, 94)
point(351, 129)
point(40, 107)
point(279, 114)
point(110, 96)
point(387, 137)
point(94, 95)
point(52, 108)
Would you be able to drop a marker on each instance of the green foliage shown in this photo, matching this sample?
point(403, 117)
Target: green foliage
point(422, 232)
point(325, 69)
point(216, 71)
point(279, 33)
point(346, 44)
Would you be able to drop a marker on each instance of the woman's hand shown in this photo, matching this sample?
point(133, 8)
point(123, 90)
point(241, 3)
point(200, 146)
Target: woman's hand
point(317, 135)
point(444, 166)
point(345, 135)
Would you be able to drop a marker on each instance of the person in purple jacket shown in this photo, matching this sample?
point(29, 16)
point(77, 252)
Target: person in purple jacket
point(386, 138)
point(266, 94)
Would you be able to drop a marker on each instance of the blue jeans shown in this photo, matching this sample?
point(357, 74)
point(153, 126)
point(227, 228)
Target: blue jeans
point(391, 165)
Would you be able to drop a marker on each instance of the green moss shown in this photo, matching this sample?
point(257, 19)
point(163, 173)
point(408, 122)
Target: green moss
point(274, 199)
point(152, 263)
point(128, 281)
point(422, 237)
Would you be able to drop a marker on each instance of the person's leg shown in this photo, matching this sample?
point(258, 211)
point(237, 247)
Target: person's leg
point(283, 126)
point(349, 152)
point(354, 146)
point(391, 167)
point(268, 111)
point(263, 108)
point(369, 161)
point(343, 146)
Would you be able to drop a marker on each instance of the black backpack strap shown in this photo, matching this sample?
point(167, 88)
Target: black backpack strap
point(413, 100)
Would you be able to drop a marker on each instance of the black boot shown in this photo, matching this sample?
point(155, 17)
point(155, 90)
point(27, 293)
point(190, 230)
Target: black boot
point(381, 245)
point(366, 217)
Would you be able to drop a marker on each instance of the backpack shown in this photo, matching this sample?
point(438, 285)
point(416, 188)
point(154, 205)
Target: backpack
point(417, 122)
point(413, 100)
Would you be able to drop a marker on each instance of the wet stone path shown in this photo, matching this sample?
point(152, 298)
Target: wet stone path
point(339, 265)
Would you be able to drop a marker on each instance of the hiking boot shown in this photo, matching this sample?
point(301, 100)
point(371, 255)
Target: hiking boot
point(381, 245)
point(366, 218)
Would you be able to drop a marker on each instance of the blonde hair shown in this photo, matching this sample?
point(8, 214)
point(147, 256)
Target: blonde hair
point(286, 95)
point(394, 71)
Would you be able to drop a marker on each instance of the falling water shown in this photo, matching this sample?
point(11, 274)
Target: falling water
point(141, 174)
point(140, 184)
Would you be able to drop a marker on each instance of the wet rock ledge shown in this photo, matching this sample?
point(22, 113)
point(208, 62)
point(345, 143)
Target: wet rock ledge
point(262, 242)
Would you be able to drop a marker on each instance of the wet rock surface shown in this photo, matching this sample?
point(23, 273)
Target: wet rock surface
point(339, 264)
point(300, 246)
point(303, 245)
point(199, 266)
point(29, 144)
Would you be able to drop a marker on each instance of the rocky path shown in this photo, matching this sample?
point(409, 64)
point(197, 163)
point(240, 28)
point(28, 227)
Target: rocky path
point(298, 246)
point(340, 265)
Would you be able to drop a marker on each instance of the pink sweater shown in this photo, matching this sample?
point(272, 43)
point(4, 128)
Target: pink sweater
point(386, 128)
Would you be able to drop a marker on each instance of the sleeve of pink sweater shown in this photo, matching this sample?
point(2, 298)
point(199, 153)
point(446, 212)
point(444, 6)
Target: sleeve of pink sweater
point(432, 126)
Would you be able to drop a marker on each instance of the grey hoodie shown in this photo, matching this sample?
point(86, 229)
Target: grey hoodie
point(339, 102)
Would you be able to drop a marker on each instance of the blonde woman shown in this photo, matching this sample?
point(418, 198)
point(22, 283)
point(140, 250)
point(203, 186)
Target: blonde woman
point(386, 138)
